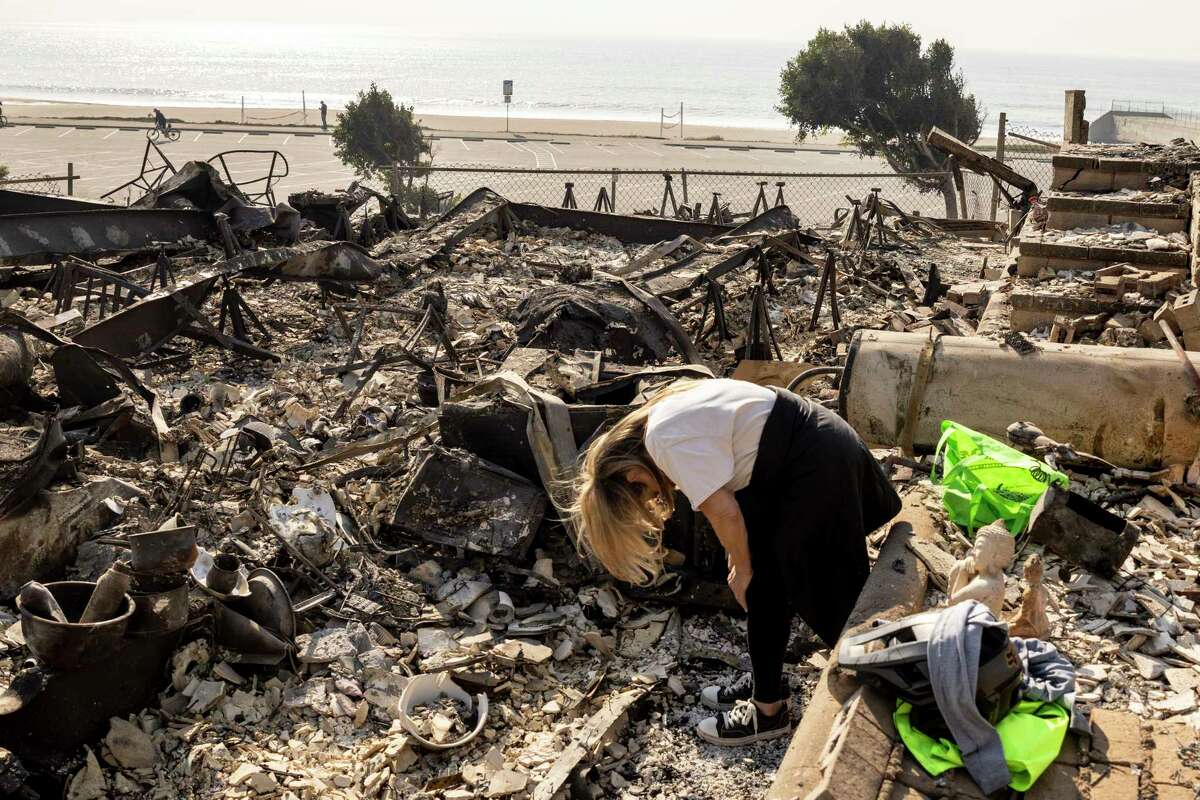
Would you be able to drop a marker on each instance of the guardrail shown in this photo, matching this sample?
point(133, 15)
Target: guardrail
point(1176, 113)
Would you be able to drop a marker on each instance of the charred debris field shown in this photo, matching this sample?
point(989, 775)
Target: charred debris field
point(324, 440)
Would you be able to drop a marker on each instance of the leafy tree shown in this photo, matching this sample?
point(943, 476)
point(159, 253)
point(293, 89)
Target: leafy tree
point(877, 85)
point(374, 132)
point(3, 172)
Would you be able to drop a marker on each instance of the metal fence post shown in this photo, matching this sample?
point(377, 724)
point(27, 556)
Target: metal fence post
point(683, 182)
point(1000, 136)
point(70, 178)
point(614, 191)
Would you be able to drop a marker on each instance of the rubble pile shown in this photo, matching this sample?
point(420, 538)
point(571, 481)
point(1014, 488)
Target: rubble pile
point(362, 424)
point(1125, 234)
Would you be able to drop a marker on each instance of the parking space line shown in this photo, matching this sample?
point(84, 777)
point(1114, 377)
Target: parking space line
point(244, 135)
point(647, 150)
point(112, 133)
point(67, 131)
point(287, 139)
point(198, 135)
point(463, 142)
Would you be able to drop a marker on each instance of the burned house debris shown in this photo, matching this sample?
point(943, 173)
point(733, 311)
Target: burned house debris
point(309, 456)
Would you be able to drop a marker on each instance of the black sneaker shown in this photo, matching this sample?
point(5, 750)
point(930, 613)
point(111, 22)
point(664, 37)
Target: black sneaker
point(723, 698)
point(745, 724)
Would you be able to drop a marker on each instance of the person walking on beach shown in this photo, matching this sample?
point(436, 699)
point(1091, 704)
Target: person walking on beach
point(324, 111)
point(791, 492)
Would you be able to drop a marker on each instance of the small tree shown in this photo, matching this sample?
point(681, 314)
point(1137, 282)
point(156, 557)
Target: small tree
point(3, 172)
point(374, 132)
point(876, 85)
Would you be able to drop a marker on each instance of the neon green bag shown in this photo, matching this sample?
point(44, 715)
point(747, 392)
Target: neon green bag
point(1032, 734)
point(986, 480)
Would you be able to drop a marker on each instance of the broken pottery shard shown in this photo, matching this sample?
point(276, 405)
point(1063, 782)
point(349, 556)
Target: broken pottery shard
point(88, 783)
point(37, 600)
point(130, 745)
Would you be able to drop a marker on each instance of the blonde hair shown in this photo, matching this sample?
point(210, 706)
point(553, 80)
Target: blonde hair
point(619, 522)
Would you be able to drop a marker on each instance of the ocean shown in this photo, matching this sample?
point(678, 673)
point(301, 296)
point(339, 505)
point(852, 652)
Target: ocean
point(720, 82)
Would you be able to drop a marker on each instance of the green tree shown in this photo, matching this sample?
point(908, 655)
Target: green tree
point(3, 172)
point(374, 132)
point(877, 85)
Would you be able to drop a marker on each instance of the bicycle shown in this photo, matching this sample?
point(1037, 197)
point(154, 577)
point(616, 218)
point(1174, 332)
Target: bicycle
point(168, 133)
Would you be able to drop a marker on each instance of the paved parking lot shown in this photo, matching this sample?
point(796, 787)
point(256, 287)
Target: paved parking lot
point(107, 157)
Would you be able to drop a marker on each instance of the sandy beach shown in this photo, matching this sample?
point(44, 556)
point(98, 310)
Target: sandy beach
point(33, 110)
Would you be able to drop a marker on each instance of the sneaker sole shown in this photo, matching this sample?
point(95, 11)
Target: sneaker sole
point(744, 740)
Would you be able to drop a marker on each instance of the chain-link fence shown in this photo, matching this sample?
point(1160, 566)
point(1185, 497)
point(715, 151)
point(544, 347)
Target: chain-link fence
point(42, 184)
point(1037, 168)
point(813, 197)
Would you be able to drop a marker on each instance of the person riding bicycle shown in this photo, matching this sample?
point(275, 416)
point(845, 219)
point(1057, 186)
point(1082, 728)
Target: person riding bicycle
point(160, 121)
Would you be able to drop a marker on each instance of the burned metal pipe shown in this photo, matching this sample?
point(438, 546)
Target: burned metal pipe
point(1130, 406)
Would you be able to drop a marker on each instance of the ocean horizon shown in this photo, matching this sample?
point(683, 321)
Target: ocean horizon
point(720, 82)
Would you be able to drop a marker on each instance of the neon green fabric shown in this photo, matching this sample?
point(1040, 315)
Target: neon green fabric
point(1032, 735)
point(985, 480)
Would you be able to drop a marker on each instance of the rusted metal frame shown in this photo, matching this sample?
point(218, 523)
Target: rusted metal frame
point(762, 198)
point(269, 180)
point(761, 323)
point(140, 181)
point(209, 331)
point(828, 284)
point(238, 311)
point(713, 296)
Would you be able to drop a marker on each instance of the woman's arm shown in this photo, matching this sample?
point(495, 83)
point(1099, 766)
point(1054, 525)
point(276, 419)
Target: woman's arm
point(725, 515)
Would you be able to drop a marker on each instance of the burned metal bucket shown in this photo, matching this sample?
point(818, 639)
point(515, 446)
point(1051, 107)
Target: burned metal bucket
point(71, 645)
point(160, 605)
point(163, 551)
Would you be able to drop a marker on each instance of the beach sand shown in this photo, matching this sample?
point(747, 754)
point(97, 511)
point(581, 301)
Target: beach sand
point(54, 111)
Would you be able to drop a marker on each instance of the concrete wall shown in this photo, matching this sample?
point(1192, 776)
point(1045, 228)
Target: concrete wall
point(1137, 126)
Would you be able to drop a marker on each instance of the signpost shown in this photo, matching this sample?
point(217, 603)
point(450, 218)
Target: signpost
point(507, 102)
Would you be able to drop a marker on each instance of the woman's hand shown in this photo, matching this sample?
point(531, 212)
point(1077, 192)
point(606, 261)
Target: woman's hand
point(725, 515)
point(739, 582)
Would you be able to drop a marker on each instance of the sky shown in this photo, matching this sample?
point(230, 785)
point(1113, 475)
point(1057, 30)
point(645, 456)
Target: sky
point(1164, 30)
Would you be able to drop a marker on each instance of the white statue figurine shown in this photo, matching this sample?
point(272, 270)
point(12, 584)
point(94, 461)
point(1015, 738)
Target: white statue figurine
point(1030, 621)
point(980, 575)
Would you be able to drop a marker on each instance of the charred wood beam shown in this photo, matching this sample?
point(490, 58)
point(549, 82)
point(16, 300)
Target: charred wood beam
point(976, 161)
point(624, 227)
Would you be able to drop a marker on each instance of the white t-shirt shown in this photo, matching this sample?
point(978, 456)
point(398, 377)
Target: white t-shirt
point(706, 437)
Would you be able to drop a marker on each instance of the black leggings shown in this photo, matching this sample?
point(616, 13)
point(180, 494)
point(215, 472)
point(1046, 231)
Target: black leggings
point(768, 626)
